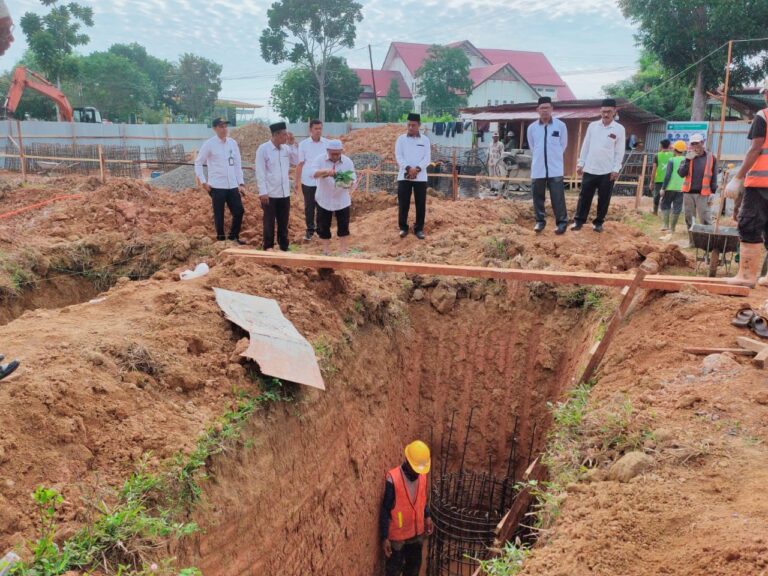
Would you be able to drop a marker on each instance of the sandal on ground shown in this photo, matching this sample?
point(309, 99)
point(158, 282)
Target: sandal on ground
point(759, 325)
point(744, 317)
point(8, 369)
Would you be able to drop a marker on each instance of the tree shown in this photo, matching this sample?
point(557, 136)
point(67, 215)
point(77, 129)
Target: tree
point(392, 107)
point(669, 100)
point(32, 104)
point(308, 33)
point(114, 85)
point(296, 94)
point(53, 37)
point(160, 72)
point(196, 85)
point(444, 80)
point(682, 32)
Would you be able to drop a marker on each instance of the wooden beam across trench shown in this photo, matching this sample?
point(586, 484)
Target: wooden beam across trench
point(650, 282)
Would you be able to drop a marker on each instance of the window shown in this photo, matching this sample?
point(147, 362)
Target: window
point(497, 102)
point(504, 102)
point(489, 101)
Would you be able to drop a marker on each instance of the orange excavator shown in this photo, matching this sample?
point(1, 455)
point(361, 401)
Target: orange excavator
point(24, 78)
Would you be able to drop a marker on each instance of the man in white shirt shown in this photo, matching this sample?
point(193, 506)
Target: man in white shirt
point(333, 194)
point(224, 183)
point(495, 165)
point(6, 28)
point(310, 150)
point(413, 154)
point(273, 163)
point(602, 155)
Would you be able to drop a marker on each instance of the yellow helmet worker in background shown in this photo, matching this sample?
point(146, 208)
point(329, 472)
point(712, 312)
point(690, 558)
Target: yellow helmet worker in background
point(405, 518)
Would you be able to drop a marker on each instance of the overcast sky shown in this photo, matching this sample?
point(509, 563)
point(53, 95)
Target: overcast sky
point(588, 41)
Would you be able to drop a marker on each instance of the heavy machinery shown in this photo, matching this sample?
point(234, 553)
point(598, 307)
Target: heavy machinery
point(24, 78)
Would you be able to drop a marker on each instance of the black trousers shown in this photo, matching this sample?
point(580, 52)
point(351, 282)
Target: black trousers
point(591, 183)
point(753, 216)
point(556, 195)
point(404, 189)
point(231, 198)
point(406, 561)
point(278, 210)
point(309, 208)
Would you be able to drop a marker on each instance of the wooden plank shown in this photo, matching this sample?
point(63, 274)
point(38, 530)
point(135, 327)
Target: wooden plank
point(22, 159)
point(102, 172)
point(750, 344)
point(761, 359)
point(613, 325)
point(708, 351)
point(557, 277)
point(641, 183)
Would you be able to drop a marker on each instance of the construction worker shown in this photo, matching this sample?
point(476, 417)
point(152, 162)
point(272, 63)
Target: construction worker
point(273, 163)
point(333, 195)
point(699, 169)
point(224, 183)
point(599, 165)
point(752, 181)
point(671, 188)
point(413, 153)
point(495, 151)
point(548, 139)
point(310, 150)
point(405, 518)
point(660, 162)
point(6, 28)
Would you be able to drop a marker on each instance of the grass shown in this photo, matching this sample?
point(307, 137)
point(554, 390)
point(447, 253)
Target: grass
point(508, 563)
point(124, 536)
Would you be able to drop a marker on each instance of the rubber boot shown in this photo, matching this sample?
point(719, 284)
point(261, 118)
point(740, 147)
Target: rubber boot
point(665, 220)
point(675, 218)
point(750, 263)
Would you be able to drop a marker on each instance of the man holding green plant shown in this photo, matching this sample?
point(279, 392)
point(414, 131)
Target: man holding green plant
point(335, 176)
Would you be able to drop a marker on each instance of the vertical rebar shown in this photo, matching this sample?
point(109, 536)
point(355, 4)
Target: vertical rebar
point(466, 438)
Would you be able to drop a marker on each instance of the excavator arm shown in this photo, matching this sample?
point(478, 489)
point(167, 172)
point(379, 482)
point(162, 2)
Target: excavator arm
point(23, 79)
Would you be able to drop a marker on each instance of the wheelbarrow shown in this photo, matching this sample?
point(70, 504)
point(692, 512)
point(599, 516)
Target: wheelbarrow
point(715, 245)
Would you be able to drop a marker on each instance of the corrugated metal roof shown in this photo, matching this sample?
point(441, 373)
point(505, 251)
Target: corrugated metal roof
point(576, 109)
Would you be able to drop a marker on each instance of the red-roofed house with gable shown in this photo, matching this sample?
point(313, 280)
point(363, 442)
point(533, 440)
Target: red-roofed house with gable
point(499, 76)
point(383, 80)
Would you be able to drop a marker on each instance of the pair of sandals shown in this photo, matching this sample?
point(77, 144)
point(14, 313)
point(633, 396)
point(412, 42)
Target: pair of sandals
point(748, 318)
point(8, 369)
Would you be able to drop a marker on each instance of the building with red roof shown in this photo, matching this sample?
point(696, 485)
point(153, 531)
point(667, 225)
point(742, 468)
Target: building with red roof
point(382, 79)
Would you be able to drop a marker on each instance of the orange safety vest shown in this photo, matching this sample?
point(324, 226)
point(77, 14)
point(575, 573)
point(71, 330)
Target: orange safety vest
point(406, 520)
point(706, 181)
point(757, 177)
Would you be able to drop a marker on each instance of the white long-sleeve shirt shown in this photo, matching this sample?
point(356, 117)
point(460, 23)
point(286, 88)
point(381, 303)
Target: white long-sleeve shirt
point(603, 149)
point(413, 151)
point(273, 166)
point(225, 167)
point(309, 151)
point(328, 195)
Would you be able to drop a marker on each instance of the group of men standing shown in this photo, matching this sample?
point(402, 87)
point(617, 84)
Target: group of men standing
point(324, 175)
point(599, 164)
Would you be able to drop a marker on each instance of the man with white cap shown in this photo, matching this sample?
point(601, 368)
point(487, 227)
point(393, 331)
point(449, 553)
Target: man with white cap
point(752, 181)
point(699, 169)
point(6, 28)
point(335, 176)
point(273, 164)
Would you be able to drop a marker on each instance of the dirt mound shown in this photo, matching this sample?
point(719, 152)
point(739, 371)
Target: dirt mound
point(249, 138)
point(379, 140)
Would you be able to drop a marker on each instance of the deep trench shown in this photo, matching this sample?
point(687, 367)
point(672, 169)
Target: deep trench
point(304, 496)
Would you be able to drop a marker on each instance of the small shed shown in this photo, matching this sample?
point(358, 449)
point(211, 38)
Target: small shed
point(514, 119)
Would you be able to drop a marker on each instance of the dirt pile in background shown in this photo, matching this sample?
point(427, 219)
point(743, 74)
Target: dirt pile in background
point(379, 140)
point(249, 138)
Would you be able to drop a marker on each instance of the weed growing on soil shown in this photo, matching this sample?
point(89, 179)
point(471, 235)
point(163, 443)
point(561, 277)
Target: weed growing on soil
point(509, 563)
point(149, 508)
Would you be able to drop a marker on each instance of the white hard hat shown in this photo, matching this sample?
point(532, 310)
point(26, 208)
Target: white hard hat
point(764, 87)
point(697, 138)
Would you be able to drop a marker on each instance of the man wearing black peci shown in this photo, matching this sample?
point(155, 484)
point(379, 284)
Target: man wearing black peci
point(413, 154)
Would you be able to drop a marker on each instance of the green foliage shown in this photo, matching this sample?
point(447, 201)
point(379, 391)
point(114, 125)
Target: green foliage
point(296, 94)
point(308, 33)
point(444, 80)
point(114, 85)
point(392, 108)
point(670, 101)
point(53, 37)
point(508, 563)
point(196, 85)
point(159, 71)
point(682, 32)
point(125, 535)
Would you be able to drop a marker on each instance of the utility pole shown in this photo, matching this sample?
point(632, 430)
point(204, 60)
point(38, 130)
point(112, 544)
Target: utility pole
point(724, 107)
point(373, 79)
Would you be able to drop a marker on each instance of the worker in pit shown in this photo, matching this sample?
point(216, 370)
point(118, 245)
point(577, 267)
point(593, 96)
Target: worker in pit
point(6, 28)
point(751, 181)
point(671, 189)
point(224, 182)
point(405, 519)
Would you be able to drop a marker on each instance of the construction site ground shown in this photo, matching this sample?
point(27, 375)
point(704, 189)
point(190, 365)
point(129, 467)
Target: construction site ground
point(124, 365)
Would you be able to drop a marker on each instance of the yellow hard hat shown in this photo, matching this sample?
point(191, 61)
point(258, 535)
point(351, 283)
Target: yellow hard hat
point(680, 146)
point(417, 454)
